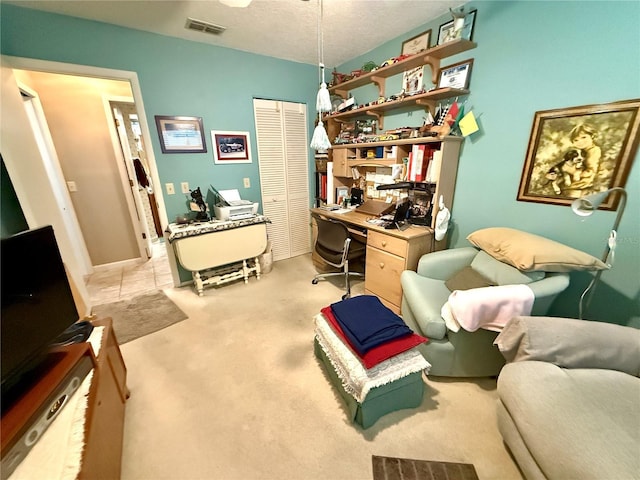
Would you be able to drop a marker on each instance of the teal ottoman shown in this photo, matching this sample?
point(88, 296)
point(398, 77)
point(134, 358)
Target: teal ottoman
point(406, 392)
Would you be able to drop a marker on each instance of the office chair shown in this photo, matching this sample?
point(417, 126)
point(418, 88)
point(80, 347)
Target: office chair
point(336, 247)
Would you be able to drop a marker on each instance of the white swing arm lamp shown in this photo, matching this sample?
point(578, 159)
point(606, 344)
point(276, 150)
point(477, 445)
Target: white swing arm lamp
point(584, 207)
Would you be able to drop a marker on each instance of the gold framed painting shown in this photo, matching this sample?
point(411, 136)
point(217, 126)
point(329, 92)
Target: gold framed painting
point(577, 151)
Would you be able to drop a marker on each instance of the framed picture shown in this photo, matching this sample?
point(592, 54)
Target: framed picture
point(412, 80)
point(342, 193)
point(456, 75)
point(446, 32)
point(469, 23)
point(181, 134)
point(231, 147)
point(416, 44)
point(578, 151)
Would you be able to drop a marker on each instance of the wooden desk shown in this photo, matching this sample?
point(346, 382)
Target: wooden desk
point(389, 253)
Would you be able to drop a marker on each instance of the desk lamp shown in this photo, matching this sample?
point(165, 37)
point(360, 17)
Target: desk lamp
point(584, 207)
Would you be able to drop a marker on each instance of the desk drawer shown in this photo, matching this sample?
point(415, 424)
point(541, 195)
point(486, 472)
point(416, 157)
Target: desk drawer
point(383, 275)
point(387, 243)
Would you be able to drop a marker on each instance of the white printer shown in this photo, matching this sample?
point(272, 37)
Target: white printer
point(232, 207)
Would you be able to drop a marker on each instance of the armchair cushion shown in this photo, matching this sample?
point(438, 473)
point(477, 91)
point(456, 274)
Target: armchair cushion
point(571, 343)
point(466, 279)
point(499, 273)
point(529, 252)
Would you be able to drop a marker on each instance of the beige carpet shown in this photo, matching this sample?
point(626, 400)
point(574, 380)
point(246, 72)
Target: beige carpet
point(235, 392)
point(140, 315)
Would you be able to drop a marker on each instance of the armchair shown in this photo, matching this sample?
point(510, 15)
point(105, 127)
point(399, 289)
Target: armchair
point(463, 353)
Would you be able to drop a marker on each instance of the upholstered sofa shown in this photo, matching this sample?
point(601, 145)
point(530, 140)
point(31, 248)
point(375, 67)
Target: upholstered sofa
point(569, 398)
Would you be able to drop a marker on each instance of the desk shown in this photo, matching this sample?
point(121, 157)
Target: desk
point(234, 245)
point(389, 253)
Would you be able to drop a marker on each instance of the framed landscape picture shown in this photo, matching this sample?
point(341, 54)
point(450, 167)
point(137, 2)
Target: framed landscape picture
point(578, 151)
point(180, 134)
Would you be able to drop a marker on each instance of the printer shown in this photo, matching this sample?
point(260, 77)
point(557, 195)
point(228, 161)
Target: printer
point(231, 207)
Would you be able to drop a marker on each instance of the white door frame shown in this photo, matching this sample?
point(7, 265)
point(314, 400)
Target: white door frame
point(22, 63)
point(51, 164)
point(128, 177)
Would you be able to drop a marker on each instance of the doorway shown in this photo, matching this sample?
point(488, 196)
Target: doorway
point(37, 211)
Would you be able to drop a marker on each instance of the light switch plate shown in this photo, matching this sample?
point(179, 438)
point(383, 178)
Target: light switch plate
point(247, 183)
point(169, 188)
point(185, 187)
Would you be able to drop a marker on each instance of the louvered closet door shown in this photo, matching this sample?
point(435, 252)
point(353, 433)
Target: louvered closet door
point(281, 131)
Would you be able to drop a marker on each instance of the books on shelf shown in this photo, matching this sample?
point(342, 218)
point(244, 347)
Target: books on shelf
point(420, 158)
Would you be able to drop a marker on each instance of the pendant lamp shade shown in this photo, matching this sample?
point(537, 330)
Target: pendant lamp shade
point(320, 139)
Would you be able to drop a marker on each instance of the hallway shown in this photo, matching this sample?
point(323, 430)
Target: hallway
point(110, 284)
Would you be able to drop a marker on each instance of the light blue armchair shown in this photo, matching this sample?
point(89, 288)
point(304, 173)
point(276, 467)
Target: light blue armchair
point(463, 353)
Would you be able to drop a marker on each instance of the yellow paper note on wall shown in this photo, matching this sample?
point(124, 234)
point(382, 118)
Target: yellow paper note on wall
point(468, 124)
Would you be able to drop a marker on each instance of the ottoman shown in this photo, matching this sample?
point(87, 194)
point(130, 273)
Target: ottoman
point(366, 406)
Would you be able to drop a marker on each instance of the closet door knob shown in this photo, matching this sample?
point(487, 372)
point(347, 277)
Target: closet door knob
point(381, 264)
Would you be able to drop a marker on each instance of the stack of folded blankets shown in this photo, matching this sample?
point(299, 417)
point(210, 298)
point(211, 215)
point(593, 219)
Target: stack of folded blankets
point(367, 344)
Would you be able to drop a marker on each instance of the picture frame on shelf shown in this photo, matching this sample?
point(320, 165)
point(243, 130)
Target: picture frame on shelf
point(578, 151)
point(412, 80)
point(179, 134)
point(457, 75)
point(416, 44)
point(447, 32)
point(230, 148)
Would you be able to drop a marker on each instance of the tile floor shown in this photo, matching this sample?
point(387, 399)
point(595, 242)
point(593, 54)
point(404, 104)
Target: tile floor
point(110, 284)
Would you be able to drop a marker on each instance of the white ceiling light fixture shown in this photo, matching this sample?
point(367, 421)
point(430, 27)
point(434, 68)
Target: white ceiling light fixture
point(236, 3)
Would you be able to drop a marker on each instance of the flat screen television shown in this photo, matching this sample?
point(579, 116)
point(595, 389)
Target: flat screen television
point(37, 303)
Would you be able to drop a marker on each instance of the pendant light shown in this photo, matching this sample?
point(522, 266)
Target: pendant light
point(320, 139)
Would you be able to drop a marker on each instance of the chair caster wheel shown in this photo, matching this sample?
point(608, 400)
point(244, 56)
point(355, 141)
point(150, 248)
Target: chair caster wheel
point(314, 281)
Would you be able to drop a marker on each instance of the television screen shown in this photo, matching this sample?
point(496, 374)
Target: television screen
point(37, 303)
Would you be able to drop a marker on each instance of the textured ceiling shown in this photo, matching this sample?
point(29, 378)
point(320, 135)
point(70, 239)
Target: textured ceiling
point(286, 29)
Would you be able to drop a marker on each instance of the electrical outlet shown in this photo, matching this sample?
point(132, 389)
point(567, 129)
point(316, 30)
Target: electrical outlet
point(72, 186)
point(247, 183)
point(185, 187)
point(169, 188)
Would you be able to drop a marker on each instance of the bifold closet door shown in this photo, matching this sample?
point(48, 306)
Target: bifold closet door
point(283, 159)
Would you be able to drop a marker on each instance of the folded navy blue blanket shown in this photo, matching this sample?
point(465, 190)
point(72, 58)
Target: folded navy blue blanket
point(367, 323)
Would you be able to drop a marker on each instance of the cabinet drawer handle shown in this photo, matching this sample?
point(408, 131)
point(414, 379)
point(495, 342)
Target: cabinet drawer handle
point(381, 264)
point(384, 243)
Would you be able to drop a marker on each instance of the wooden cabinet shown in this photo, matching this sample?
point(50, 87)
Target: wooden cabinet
point(100, 453)
point(105, 414)
point(387, 257)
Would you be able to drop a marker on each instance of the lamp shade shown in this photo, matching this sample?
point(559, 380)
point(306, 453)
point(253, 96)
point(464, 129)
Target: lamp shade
point(585, 206)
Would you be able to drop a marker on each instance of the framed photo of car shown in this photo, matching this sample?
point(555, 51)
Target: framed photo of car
point(180, 134)
point(231, 147)
point(456, 75)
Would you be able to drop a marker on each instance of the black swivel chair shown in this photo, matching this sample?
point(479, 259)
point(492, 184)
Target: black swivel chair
point(336, 247)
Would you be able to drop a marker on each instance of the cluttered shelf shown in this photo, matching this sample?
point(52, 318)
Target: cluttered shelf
point(431, 57)
point(408, 101)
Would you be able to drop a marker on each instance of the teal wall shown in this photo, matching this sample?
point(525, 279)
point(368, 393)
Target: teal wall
point(176, 77)
point(534, 56)
point(531, 56)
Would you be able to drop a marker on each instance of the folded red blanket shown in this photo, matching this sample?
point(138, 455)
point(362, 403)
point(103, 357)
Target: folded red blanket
point(380, 353)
